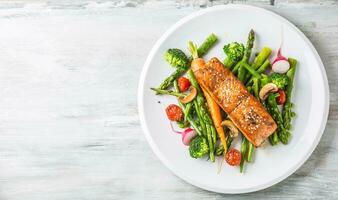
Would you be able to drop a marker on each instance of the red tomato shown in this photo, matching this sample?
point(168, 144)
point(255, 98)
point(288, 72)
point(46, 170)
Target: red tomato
point(281, 98)
point(233, 157)
point(174, 112)
point(183, 84)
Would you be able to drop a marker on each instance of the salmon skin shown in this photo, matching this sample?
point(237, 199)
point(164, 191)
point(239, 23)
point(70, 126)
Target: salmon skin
point(244, 110)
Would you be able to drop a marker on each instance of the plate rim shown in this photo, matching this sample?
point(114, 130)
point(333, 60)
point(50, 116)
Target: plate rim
point(155, 149)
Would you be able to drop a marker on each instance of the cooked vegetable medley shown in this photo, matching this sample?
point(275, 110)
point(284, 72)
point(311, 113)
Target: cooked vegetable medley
point(239, 99)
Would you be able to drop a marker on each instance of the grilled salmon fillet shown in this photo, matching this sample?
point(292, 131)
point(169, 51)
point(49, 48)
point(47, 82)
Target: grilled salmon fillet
point(244, 110)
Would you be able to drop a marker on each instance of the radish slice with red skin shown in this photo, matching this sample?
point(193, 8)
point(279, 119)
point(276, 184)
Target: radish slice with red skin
point(280, 64)
point(187, 135)
point(279, 56)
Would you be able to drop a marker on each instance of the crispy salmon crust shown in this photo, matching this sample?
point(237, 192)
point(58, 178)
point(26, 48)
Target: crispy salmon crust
point(245, 111)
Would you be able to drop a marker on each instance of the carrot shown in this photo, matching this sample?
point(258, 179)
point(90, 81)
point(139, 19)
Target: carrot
point(216, 116)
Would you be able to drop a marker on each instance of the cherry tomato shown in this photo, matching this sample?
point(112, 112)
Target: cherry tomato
point(281, 98)
point(233, 157)
point(183, 84)
point(174, 112)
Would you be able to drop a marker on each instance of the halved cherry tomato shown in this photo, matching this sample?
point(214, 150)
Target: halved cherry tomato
point(281, 98)
point(174, 112)
point(233, 157)
point(183, 84)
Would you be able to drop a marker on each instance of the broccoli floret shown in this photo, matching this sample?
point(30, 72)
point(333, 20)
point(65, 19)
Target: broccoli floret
point(176, 58)
point(234, 52)
point(281, 80)
point(198, 147)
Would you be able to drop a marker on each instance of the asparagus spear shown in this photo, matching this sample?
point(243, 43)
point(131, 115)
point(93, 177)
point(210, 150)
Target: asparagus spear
point(186, 112)
point(188, 116)
point(168, 92)
point(235, 69)
point(282, 133)
point(260, 70)
point(207, 44)
point(264, 66)
point(183, 124)
point(244, 149)
point(251, 149)
point(213, 134)
point(247, 54)
point(241, 73)
point(229, 141)
point(200, 117)
point(288, 114)
point(248, 47)
point(219, 150)
point(187, 109)
point(259, 60)
point(264, 80)
point(261, 57)
point(256, 87)
point(251, 70)
point(273, 139)
point(170, 79)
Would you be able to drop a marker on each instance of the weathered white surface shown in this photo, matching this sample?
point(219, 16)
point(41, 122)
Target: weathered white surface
point(68, 123)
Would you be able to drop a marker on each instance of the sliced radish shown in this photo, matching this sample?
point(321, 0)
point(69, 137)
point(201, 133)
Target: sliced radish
point(187, 135)
point(280, 64)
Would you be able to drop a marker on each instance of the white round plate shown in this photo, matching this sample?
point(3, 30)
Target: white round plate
point(310, 96)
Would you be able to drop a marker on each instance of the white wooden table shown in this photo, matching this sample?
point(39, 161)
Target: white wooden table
point(69, 125)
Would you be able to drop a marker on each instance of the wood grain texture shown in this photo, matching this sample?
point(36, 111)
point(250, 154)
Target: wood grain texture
point(69, 124)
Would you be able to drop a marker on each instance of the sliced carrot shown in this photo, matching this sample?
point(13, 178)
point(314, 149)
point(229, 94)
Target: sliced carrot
point(216, 116)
